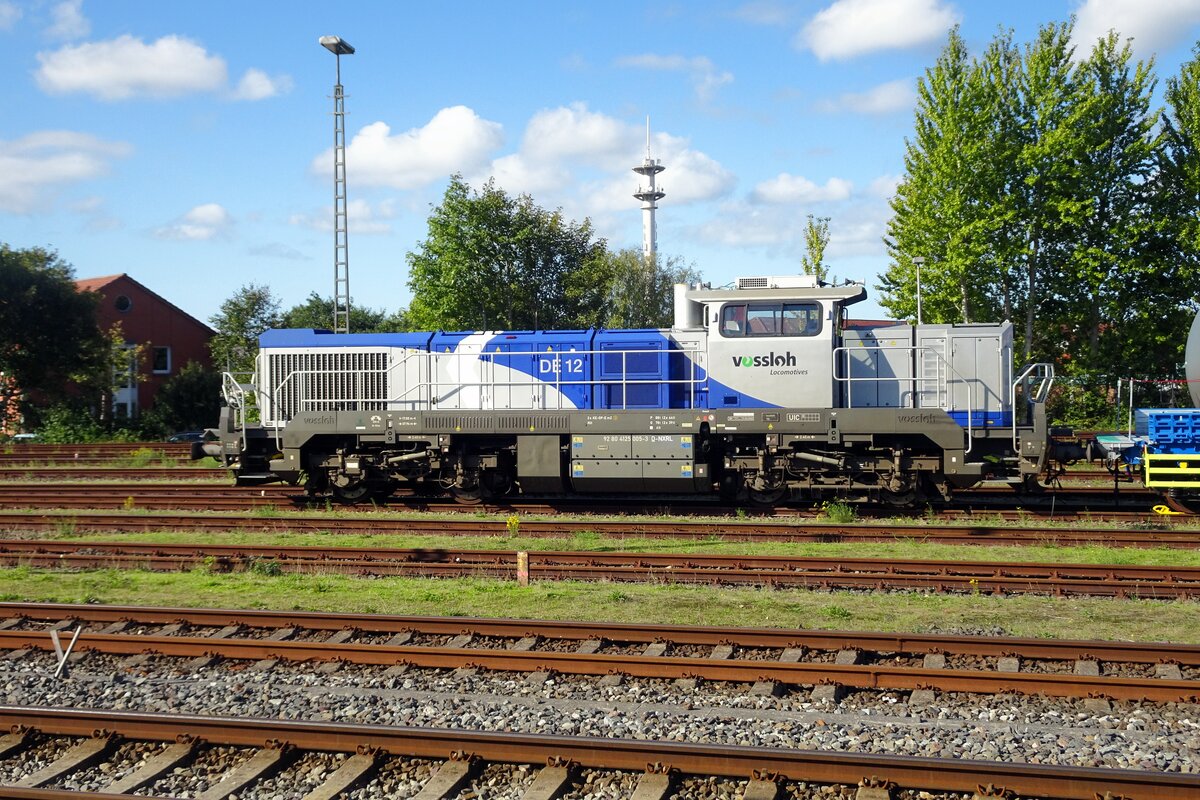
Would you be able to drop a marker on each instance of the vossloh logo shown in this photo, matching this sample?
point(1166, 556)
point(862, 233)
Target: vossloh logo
point(771, 359)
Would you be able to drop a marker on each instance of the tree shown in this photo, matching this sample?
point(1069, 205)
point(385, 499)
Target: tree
point(245, 315)
point(936, 213)
point(48, 332)
point(495, 261)
point(624, 290)
point(816, 239)
point(188, 401)
point(317, 312)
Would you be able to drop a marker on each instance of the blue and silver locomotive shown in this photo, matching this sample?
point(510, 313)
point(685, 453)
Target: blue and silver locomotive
point(764, 392)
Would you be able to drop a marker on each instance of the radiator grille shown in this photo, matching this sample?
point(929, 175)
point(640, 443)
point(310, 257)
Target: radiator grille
point(324, 381)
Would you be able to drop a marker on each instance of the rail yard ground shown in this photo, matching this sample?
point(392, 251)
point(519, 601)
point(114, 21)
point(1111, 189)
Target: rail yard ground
point(264, 587)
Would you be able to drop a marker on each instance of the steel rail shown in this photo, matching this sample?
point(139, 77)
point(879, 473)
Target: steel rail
point(724, 530)
point(643, 633)
point(775, 571)
point(731, 761)
point(865, 676)
point(106, 473)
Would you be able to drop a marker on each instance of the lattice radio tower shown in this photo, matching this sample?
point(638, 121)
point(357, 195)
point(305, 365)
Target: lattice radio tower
point(341, 246)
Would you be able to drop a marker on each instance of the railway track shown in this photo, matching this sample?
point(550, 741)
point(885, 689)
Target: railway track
point(998, 504)
point(459, 755)
point(877, 574)
point(23, 523)
point(770, 659)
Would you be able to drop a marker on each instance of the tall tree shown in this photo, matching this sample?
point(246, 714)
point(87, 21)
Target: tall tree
point(245, 315)
point(1106, 205)
point(816, 239)
point(48, 331)
point(935, 211)
point(495, 261)
point(624, 290)
point(317, 311)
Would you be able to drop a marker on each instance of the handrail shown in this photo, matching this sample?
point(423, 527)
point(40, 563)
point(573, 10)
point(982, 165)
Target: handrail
point(1045, 378)
point(427, 388)
point(924, 349)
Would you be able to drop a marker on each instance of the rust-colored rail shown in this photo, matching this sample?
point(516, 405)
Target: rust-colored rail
point(89, 473)
point(879, 676)
point(775, 571)
point(959, 775)
point(730, 530)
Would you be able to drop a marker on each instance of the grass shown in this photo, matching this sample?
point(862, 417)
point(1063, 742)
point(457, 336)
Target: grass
point(265, 586)
point(590, 540)
point(1039, 617)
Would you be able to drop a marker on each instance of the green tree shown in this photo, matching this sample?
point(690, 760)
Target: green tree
point(245, 315)
point(48, 331)
point(623, 290)
point(816, 239)
point(495, 261)
point(936, 214)
point(188, 401)
point(317, 312)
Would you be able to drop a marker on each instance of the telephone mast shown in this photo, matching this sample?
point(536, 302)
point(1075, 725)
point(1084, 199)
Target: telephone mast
point(649, 197)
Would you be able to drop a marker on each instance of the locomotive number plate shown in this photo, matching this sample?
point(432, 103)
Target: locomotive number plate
point(804, 416)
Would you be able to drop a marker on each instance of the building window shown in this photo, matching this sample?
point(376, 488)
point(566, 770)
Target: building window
point(123, 303)
point(162, 361)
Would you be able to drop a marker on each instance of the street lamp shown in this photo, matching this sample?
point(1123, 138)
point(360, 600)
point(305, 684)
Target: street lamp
point(341, 246)
point(918, 262)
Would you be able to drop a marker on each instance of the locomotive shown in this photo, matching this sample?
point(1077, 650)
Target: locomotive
point(762, 392)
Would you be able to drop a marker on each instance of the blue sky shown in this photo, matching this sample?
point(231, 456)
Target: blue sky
point(189, 144)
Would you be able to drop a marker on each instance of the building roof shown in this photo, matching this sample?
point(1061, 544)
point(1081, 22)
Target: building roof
point(97, 284)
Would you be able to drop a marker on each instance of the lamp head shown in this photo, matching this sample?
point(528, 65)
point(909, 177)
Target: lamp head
point(336, 45)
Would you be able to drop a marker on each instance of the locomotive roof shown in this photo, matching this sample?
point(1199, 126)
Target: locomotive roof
point(846, 295)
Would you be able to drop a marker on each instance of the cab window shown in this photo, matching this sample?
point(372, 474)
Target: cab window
point(770, 319)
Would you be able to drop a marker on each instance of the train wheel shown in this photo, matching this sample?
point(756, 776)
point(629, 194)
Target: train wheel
point(467, 496)
point(351, 494)
point(767, 497)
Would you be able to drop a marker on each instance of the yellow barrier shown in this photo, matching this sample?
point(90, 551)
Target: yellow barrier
point(1170, 471)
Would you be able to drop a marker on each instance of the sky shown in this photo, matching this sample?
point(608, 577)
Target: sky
point(190, 144)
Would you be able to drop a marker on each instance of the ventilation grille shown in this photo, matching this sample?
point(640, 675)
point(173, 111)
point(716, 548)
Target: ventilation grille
point(326, 381)
point(539, 422)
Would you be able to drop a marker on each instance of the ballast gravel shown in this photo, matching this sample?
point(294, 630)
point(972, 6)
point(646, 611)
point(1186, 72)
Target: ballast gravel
point(1036, 730)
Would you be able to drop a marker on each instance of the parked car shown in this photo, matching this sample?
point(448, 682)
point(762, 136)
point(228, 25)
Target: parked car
point(186, 436)
point(26, 437)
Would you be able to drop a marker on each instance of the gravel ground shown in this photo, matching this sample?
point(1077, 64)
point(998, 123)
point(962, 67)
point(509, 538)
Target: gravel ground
point(1150, 736)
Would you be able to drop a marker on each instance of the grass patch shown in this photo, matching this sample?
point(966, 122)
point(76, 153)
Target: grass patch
point(1081, 618)
point(590, 540)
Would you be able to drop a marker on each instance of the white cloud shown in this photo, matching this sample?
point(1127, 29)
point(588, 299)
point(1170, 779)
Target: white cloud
point(69, 21)
point(779, 230)
point(33, 166)
point(785, 188)
point(10, 12)
point(849, 28)
point(884, 187)
point(455, 140)
point(258, 85)
point(278, 250)
point(1153, 25)
point(126, 67)
point(203, 222)
point(706, 78)
point(885, 98)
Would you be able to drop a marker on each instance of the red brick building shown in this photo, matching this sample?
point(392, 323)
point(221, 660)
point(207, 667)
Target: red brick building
point(172, 336)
